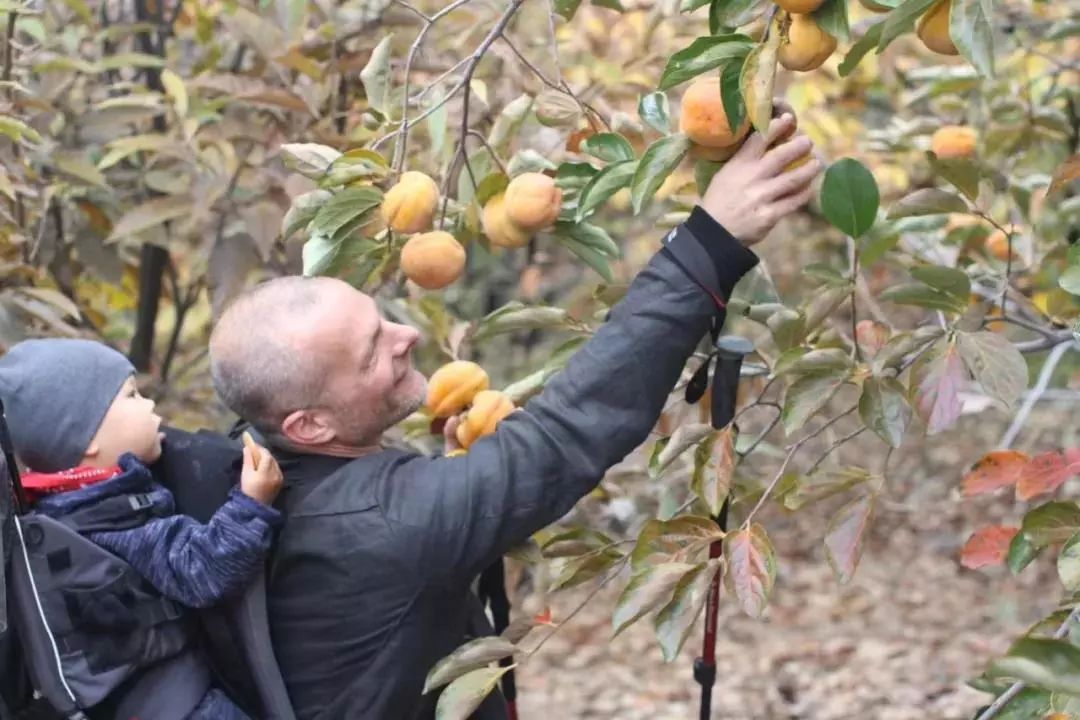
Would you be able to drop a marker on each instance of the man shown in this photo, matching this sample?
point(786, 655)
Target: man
point(370, 582)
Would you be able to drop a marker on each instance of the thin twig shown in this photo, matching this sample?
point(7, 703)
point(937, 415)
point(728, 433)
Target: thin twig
point(610, 576)
point(1044, 331)
point(1018, 687)
point(491, 151)
point(1033, 397)
point(402, 145)
point(792, 449)
point(828, 451)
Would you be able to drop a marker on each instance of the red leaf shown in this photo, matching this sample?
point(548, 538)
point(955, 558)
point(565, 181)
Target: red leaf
point(1045, 474)
point(844, 539)
point(938, 380)
point(543, 618)
point(753, 568)
point(997, 469)
point(871, 337)
point(987, 546)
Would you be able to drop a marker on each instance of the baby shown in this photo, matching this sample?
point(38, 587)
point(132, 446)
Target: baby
point(86, 436)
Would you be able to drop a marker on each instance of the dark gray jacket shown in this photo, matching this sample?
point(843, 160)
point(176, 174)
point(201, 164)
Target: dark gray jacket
point(370, 580)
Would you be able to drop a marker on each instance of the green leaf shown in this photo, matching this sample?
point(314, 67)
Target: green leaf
point(807, 396)
point(884, 409)
point(731, 91)
point(1043, 662)
point(576, 570)
point(566, 8)
point(1068, 564)
point(348, 168)
point(670, 448)
point(517, 316)
point(347, 207)
point(647, 590)
point(508, 123)
point(928, 201)
point(961, 173)
point(309, 159)
point(303, 210)
point(655, 110)
point(592, 257)
point(471, 656)
point(902, 20)
point(788, 327)
point(1054, 522)
point(572, 543)
point(680, 539)
point(1021, 553)
point(528, 160)
point(320, 253)
point(714, 468)
point(995, 364)
point(574, 175)
point(703, 55)
point(972, 32)
point(832, 17)
point(76, 164)
point(823, 484)
point(659, 160)
point(675, 620)
point(922, 296)
point(849, 197)
point(491, 186)
point(752, 566)
point(825, 360)
point(376, 77)
point(844, 537)
point(954, 283)
point(1070, 280)
point(937, 378)
point(465, 694)
point(589, 235)
point(862, 46)
point(608, 146)
point(734, 13)
point(604, 185)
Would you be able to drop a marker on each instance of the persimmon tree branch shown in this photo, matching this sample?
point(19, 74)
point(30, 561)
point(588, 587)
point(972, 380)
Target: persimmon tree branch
point(1018, 687)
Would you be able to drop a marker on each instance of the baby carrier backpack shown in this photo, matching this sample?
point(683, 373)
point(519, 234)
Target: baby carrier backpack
point(84, 636)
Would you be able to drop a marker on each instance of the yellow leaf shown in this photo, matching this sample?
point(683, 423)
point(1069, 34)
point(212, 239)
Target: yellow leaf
point(758, 77)
point(175, 90)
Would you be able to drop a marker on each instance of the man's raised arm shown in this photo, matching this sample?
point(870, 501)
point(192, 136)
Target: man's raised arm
point(470, 509)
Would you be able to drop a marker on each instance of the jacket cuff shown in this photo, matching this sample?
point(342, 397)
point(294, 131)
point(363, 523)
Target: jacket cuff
point(709, 254)
point(252, 507)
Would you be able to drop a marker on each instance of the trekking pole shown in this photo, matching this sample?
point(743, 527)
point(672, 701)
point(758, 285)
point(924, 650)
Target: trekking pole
point(492, 587)
point(7, 495)
point(730, 351)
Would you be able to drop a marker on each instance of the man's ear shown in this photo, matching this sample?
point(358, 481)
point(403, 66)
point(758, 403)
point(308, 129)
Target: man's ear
point(307, 427)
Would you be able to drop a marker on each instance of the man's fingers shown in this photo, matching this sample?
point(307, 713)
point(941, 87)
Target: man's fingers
point(777, 158)
point(781, 107)
point(793, 180)
point(756, 144)
point(791, 203)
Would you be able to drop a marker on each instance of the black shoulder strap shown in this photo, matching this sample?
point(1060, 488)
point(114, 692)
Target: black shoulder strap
point(120, 512)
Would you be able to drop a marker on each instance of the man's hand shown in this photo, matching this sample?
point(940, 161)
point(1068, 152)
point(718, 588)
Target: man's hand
point(260, 483)
point(751, 192)
point(450, 434)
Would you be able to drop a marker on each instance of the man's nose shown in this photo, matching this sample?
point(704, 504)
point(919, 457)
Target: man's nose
point(407, 338)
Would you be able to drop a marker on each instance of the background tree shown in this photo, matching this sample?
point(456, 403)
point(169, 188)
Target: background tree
point(517, 160)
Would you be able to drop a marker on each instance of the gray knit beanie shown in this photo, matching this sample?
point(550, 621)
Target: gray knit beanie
point(56, 393)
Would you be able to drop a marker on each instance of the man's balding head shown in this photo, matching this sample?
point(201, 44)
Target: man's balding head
point(310, 361)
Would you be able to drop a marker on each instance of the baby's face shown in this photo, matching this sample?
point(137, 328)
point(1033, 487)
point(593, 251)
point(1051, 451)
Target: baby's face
point(130, 425)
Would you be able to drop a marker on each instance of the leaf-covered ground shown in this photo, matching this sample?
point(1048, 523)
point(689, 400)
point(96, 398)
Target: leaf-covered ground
point(898, 643)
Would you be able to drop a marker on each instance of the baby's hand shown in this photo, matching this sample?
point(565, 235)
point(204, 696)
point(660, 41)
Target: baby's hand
point(261, 477)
